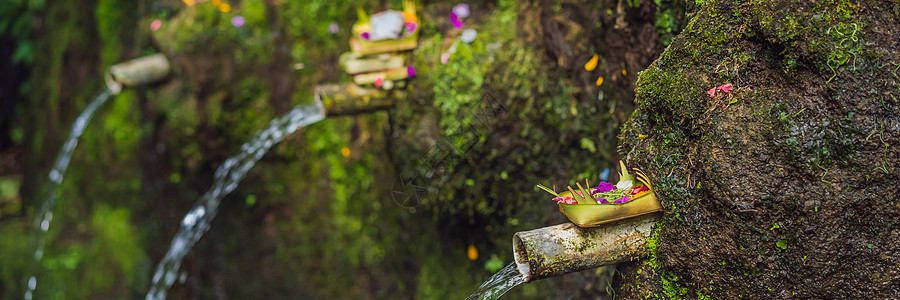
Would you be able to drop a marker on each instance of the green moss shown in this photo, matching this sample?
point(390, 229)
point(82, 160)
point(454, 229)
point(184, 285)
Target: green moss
point(668, 280)
point(114, 28)
point(196, 27)
point(830, 31)
point(115, 260)
point(122, 127)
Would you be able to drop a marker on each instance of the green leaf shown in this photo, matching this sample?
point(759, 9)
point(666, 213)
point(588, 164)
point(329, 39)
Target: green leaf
point(24, 53)
point(541, 186)
point(781, 244)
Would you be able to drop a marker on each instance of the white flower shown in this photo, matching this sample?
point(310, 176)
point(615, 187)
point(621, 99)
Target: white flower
point(624, 184)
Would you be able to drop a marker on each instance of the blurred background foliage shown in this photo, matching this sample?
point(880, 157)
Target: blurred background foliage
point(312, 219)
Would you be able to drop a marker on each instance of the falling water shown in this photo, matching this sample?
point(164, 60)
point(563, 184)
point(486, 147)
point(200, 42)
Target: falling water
point(44, 213)
point(502, 281)
point(225, 180)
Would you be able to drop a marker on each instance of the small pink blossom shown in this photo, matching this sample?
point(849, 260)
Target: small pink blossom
point(445, 57)
point(411, 26)
point(566, 200)
point(333, 28)
point(379, 82)
point(155, 25)
point(411, 72)
point(726, 87)
point(238, 21)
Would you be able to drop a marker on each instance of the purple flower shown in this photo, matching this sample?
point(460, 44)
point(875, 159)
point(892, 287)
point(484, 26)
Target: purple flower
point(238, 21)
point(333, 28)
point(411, 71)
point(602, 201)
point(411, 26)
point(454, 19)
point(364, 35)
point(603, 187)
point(461, 10)
point(622, 200)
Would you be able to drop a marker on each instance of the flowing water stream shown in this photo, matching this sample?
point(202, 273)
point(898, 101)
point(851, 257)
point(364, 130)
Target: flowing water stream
point(197, 221)
point(502, 281)
point(44, 213)
point(226, 179)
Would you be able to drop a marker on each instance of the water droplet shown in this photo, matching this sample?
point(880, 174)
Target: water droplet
point(54, 176)
point(170, 277)
point(32, 283)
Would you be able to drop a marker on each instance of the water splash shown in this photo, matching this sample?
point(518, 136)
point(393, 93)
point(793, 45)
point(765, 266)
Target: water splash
point(227, 177)
point(502, 281)
point(44, 214)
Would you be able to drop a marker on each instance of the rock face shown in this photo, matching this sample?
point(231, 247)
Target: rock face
point(786, 186)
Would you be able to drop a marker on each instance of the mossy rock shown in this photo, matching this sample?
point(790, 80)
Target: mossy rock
point(782, 188)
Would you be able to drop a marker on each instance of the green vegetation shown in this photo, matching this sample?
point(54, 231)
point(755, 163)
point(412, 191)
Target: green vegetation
point(316, 217)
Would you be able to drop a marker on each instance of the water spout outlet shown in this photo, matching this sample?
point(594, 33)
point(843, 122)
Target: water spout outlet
point(137, 72)
point(566, 248)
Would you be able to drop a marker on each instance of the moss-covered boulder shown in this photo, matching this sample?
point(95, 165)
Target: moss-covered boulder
point(784, 187)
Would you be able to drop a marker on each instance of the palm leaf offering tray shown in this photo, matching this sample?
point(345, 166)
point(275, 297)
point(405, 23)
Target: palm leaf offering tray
point(589, 207)
point(386, 31)
point(378, 44)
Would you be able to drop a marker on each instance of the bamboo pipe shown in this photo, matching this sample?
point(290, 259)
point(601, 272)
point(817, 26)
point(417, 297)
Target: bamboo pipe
point(136, 72)
point(566, 248)
point(347, 99)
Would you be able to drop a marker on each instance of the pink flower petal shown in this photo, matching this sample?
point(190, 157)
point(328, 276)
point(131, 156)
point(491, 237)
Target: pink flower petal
point(379, 82)
point(411, 26)
point(454, 19)
point(333, 28)
point(445, 57)
point(364, 35)
point(566, 200)
point(155, 25)
point(238, 21)
point(411, 72)
point(726, 88)
point(711, 92)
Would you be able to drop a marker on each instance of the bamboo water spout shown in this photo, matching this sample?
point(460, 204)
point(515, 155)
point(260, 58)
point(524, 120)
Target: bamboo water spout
point(566, 248)
point(350, 99)
point(136, 72)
